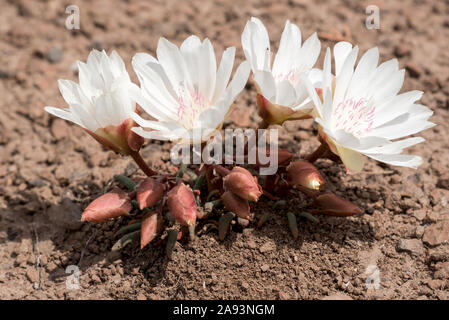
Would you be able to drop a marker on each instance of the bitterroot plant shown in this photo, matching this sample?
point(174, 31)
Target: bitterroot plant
point(186, 98)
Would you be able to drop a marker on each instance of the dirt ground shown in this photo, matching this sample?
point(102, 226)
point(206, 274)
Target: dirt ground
point(50, 169)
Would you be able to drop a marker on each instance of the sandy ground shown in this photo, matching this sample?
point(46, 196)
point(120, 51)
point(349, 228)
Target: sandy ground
point(50, 169)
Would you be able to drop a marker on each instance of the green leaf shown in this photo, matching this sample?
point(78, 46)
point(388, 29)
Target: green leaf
point(125, 181)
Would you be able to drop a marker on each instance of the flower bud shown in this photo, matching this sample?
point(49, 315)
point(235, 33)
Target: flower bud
point(111, 205)
point(304, 174)
point(243, 184)
point(182, 205)
point(149, 193)
point(151, 225)
point(236, 204)
point(243, 222)
point(333, 205)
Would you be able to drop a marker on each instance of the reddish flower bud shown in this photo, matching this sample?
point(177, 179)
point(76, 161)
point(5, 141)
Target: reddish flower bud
point(305, 174)
point(236, 204)
point(149, 193)
point(151, 226)
point(242, 183)
point(333, 205)
point(182, 205)
point(111, 205)
point(243, 222)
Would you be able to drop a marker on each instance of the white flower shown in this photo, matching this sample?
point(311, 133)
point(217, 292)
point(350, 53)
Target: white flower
point(100, 103)
point(282, 94)
point(101, 98)
point(183, 90)
point(360, 112)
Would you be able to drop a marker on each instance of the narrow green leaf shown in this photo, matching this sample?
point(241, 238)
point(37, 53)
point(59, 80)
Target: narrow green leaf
point(125, 240)
point(293, 225)
point(223, 224)
point(125, 181)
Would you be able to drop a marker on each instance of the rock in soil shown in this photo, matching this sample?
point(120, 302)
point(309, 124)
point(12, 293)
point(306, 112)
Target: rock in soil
point(413, 246)
point(437, 233)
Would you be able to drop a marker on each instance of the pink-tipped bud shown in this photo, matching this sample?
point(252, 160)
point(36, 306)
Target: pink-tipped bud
point(111, 205)
point(303, 173)
point(182, 205)
point(333, 205)
point(149, 193)
point(151, 225)
point(242, 183)
point(236, 204)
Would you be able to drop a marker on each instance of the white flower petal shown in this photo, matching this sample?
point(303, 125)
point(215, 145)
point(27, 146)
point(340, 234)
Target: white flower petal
point(266, 84)
point(207, 70)
point(238, 82)
point(327, 72)
point(364, 71)
point(158, 101)
point(309, 52)
point(63, 114)
point(173, 64)
point(390, 87)
point(315, 76)
point(153, 64)
point(410, 124)
point(288, 49)
point(256, 45)
point(156, 135)
point(224, 73)
point(395, 107)
point(85, 118)
point(313, 95)
point(344, 77)
point(285, 94)
point(403, 160)
point(327, 105)
point(106, 111)
point(395, 147)
point(359, 144)
point(190, 50)
point(341, 51)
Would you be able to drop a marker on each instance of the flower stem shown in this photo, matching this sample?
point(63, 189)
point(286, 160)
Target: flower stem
point(318, 153)
point(142, 165)
point(221, 170)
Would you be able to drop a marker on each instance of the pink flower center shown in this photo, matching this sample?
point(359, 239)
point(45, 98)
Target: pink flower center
point(354, 116)
point(191, 104)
